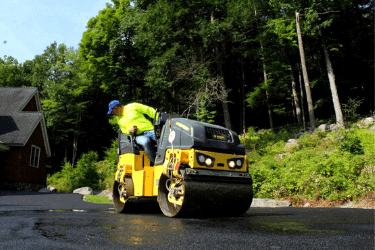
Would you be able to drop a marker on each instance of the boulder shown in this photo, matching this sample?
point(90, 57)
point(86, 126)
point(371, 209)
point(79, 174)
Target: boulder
point(48, 190)
point(372, 129)
point(83, 191)
point(323, 127)
point(360, 126)
point(334, 127)
point(257, 202)
point(368, 120)
point(329, 127)
point(292, 143)
point(307, 205)
point(348, 204)
point(106, 193)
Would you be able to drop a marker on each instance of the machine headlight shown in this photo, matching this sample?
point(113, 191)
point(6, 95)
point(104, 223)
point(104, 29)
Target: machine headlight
point(235, 163)
point(208, 161)
point(232, 164)
point(201, 159)
point(205, 160)
point(239, 163)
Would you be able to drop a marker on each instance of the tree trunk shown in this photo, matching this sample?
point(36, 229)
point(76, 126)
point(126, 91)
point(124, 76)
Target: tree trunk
point(294, 111)
point(75, 144)
point(267, 93)
point(310, 105)
point(302, 98)
point(267, 99)
point(227, 121)
point(75, 141)
point(296, 100)
point(332, 83)
point(265, 81)
point(243, 98)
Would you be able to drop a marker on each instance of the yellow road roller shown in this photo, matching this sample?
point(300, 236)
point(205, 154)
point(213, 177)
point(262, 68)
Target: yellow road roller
point(200, 169)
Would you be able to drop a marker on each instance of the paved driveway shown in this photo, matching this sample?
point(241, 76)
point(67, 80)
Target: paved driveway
point(63, 221)
point(15, 201)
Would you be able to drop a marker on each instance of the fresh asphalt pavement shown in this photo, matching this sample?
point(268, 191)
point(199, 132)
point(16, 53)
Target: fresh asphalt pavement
point(64, 221)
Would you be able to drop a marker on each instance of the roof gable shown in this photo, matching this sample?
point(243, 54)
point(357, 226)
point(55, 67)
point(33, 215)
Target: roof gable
point(16, 126)
point(15, 99)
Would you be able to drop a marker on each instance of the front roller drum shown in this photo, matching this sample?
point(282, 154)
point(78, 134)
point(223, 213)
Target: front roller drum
point(121, 194)
point(204, 198)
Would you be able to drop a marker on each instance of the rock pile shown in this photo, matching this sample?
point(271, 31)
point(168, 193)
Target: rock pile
point(366, 123)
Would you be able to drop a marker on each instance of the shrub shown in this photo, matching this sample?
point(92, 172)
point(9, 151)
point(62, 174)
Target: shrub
point(105, 170)
point(63, 180)
point(107, 167)
point(350, 107)
point(85, 173)
point(351, 143)
point(89, 172)
point(70, 178)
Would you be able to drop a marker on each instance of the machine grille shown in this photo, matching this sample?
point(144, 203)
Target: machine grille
point(218, 134)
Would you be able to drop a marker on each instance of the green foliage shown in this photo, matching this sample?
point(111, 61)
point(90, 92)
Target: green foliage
point(64, 180)
point(335, 165)
point(264, 138)
point(350, 109)
point(165, 54)
point(107, 167)
point(89, 172)
point(352, 144)
point(11, 73)
point(256, 97)
point(84, 175)
point(203, 113)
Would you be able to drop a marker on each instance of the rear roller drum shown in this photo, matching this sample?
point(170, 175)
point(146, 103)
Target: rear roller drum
point(121, 194)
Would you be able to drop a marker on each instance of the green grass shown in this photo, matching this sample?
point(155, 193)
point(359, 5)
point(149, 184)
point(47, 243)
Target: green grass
point(98, 199)
point(330, 166)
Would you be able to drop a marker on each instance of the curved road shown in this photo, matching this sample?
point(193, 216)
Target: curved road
point(64, 221)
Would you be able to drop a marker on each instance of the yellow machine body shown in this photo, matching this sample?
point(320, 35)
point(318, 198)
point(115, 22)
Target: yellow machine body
point(146, 177)
point(200, 168)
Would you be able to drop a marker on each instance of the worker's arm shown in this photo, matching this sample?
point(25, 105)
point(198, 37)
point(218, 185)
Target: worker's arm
point(150, 112)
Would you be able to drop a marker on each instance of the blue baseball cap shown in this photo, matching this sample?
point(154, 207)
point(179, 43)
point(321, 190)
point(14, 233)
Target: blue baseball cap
point(113, 104)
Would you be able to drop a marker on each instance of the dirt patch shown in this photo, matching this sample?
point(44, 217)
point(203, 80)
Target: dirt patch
point(367, 202)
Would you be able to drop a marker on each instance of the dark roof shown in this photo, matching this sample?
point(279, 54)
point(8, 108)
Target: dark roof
point(16, 129)
point(17, 126)
point(15, 99)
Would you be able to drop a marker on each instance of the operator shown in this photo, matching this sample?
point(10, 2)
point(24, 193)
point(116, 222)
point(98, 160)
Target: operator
point(131, 120)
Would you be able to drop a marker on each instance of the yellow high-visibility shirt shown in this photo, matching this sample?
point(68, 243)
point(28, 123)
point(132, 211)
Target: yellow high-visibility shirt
point(133, 115)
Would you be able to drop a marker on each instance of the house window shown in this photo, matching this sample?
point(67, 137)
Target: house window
point(34, 156)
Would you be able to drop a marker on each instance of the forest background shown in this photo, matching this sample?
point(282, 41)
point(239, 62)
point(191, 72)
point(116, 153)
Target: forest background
point(232, 63)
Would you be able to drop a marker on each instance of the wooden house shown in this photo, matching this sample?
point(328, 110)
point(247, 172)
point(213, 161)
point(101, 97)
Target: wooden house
point(24, 142)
